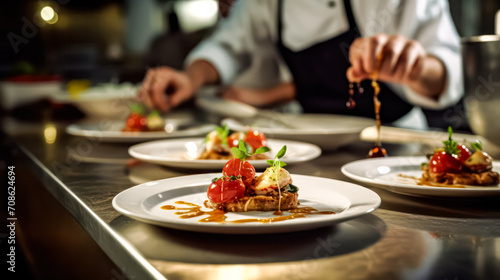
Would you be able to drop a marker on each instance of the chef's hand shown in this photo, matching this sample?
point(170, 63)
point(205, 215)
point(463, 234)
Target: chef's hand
point(403, 61)
point(180, 86)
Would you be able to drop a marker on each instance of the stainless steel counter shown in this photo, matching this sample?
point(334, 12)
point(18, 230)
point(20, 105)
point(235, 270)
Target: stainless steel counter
point(406, 238)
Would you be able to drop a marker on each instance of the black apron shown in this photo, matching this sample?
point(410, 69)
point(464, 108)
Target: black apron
point(319, 74)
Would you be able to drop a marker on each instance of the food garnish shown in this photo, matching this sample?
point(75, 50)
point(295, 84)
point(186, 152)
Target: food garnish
point(238, 190)
point(264, 192)
point(454, 164)
point(219, 142)
point(137, 121)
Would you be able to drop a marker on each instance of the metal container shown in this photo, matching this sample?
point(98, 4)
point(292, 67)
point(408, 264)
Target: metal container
point(481, 72)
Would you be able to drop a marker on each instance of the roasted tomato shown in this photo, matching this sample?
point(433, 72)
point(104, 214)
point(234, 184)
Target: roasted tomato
point(234, 139)
point(236, 167)
point(256, 139)
point(444, 162)
point(136, 122)
point(226, 189)
point(463, 153)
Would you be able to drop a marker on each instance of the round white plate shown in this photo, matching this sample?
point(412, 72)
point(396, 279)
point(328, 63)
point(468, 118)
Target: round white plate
point(110, 131)
point(143, 202)
point(103, 101)
point(329, 132)
point(225, 107)
point(182, 153)
point(384, 173)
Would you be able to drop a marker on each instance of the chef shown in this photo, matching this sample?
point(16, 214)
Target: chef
point(325, 44)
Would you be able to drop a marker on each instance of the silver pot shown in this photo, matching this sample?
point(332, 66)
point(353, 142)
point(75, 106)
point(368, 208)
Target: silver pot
point(481, 72)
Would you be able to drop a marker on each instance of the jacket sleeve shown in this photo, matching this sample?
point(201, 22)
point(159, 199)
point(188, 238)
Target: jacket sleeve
point(230, 47)
point(432, 26)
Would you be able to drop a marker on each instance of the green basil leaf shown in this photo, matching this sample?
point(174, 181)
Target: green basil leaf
point(478, 146)
point(292, 188)
point(137, 108)
point(282, 152)
point(280, 163)
point(270, 162)
point(237, 153)
point(450, 146)
point(262, 150)
point(249, 149)
point(241, 146)
point(154, 114)
point(223, 132)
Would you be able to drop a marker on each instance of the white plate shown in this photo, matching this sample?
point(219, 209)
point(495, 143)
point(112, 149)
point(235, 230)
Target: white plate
point(327, 131)
point(182, 153)
point(225, 107)
point(384, 173)
point(111, 131)
point(103, 101)
point(143, 203)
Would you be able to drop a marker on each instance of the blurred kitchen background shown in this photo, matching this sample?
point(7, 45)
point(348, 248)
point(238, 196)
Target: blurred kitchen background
point(100, 40)
point(118, 40)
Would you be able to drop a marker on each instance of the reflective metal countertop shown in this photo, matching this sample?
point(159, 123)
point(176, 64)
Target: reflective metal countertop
point(405, 238)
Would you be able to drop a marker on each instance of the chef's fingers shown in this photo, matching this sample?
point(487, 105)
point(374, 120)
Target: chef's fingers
point(411, 53)
point(182, 90)
point(356, 51)
point(144, 89)
point(354, 76)
point(157, 91)
point(371, 59)
point(417, 68)
point(364, 53)
point(391, 53)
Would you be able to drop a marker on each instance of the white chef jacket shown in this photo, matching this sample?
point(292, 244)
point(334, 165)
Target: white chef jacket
point(252, 28)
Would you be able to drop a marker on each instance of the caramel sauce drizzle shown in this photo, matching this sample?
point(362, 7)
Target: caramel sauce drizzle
point(278, 212)
point(378, 150)
point(218, 216)
point(423, 182)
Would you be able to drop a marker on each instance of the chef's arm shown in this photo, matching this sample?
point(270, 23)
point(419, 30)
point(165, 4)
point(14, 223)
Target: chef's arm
point(202, 72)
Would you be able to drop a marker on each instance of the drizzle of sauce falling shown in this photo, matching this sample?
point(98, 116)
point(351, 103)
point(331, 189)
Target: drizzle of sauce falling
point(218, 216)
point(351, 104)
point(377, 150)
point(423, 182)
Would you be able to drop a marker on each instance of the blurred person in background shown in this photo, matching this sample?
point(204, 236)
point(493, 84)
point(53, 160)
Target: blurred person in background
point(169, 49)
point(265, 82)
point(325, 42)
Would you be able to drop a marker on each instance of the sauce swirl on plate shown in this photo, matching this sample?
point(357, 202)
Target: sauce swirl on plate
point(190, 210)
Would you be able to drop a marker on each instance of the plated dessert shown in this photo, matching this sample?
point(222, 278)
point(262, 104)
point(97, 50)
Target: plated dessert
point(239, 190)
point(219, 142)
point(455, 164)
